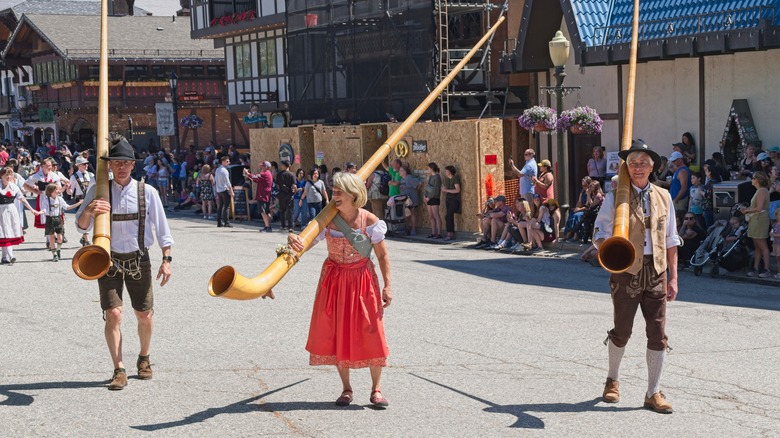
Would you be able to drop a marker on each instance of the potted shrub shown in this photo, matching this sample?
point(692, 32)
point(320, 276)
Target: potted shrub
point(580, 120)
point(538, 118)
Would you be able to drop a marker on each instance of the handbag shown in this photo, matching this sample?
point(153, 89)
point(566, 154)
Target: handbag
point(547, 228)
point(358, 240)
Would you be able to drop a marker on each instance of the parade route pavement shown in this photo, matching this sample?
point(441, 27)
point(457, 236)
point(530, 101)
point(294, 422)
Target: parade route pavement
point(482, 344)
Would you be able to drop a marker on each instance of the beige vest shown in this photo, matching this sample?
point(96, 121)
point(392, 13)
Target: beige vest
point(659, 209)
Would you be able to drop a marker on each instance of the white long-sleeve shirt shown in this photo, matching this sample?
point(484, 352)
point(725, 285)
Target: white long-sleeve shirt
point(75, 187)
point(222, 179)
point(605, 222)
point(124, 234)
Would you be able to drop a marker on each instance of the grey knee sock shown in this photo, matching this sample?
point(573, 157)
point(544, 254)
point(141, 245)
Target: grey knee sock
point(655, 364)
point(615, 356)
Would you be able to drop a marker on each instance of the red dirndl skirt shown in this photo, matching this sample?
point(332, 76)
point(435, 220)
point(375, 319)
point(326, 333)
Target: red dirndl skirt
point(346, 322)
point(38, 223)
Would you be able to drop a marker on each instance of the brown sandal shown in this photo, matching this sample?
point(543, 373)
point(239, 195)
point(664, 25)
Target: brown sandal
point(378, 400)
point(345, 399)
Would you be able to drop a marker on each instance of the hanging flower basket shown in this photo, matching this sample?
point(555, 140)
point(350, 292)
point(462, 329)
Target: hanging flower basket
point(580, 120)
point(27, 131)
point(538, 118)
point(191, 122)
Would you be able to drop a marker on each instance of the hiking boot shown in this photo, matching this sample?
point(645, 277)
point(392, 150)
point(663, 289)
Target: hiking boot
point(612, 391)
point(119, 380)
point(658, 403)
point(55, 257)
point(144, 368)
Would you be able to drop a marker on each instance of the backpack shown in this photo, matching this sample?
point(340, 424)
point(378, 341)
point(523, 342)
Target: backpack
point(384, 187)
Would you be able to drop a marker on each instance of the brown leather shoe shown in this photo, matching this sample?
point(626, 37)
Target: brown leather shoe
point(144, 368)
point(611, 391)
point(658, 403)
point(119, 380)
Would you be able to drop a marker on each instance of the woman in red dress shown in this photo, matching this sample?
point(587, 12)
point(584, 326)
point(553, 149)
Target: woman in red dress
point(347, 328)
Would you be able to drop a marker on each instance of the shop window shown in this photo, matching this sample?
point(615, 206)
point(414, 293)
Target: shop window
point(243, 60)
point(267, 53)
point(135, 72)
point(158, 72)
point(215, 71)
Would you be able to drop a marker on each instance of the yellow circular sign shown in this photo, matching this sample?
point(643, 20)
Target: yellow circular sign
point(402, 149)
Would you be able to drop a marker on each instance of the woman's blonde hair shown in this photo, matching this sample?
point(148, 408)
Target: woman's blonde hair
point(205, 169)
point(762, 178)
point(351, 184)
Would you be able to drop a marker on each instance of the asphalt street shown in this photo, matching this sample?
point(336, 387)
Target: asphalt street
point(481, 344)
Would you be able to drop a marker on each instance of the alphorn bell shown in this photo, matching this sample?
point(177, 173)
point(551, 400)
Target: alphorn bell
point(616, 254)
point(227, 283)
point(92, 262)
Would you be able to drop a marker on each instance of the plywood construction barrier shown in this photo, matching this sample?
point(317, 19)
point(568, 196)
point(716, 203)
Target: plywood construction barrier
point(476, 148)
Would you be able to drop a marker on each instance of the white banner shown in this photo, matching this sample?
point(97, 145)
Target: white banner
point(165, 119)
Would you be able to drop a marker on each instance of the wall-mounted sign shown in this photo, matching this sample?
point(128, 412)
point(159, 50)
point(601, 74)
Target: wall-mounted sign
point(191, 98)
point(420, 146)
point(319, 157)
point(286, 153)
point(45, 115)
point(491, 159)
point(166, 122)
point(402, 149)
point(613, 163)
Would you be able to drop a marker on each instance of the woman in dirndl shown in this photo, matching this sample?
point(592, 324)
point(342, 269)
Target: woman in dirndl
point(11, 233)
point(347, 328)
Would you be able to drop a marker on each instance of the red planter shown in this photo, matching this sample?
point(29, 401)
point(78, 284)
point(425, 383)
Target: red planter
point(576, 130)
point(541, 127)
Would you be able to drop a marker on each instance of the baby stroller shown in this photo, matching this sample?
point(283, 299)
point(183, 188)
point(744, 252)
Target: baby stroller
point(395, 215)
point(731, 256)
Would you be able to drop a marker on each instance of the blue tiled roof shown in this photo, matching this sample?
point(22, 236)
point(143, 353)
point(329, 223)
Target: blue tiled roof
point(607, 22)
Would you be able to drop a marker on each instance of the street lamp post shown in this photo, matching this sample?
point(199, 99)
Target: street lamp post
point(559, 54)
point(173, 81)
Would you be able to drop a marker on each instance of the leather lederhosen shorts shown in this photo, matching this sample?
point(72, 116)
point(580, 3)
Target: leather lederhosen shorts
point(139, 286)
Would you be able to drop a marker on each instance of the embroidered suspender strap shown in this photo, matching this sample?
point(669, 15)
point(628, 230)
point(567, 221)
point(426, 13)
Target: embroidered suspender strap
point(358, 240)
point(141, 217)
point(81, 183)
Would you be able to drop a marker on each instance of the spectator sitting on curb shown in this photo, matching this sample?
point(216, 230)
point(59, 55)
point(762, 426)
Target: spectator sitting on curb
point(511, 232)
point(492, 223)
point(546, 226)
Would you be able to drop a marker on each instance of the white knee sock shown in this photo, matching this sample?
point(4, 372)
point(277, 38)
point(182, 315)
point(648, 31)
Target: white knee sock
point(655, 364)
point(615, 356)
point(7, 253)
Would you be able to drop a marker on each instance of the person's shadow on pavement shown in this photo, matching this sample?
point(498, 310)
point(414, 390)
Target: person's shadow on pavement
point(528, 421)
point(239, 407)
point(15, 398)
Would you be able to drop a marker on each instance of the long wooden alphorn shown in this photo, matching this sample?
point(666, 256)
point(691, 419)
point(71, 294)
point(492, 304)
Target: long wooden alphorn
point(616, 253)
point(227, 283)
point(92, 262)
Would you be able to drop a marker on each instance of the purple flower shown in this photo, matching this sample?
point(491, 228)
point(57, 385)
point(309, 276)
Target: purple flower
point(584, 117)
point(538, 115)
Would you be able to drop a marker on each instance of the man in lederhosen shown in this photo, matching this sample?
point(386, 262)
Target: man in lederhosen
point(653, 234)
point(135, 210)
point(80, 181)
